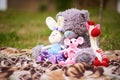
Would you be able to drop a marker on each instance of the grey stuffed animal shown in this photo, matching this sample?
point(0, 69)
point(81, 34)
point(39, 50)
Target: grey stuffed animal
point(74, 24)
point(85, 55)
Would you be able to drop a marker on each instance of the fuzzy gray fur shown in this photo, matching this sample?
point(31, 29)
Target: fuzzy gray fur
point(74, 20)
point(85, 55)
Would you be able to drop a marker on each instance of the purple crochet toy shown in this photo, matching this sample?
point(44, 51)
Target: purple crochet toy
point(74, 25)
point(45, 55)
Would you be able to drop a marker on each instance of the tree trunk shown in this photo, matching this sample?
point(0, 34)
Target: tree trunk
point(118, 6)
point(3, 5)
point(100, 12)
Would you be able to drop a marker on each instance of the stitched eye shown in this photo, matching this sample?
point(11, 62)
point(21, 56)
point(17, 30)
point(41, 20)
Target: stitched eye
point(74, 40)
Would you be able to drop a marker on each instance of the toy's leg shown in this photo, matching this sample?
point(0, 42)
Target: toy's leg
point(52, 58)
point(105, 62)
point(101, 53)
point(62, 63)
point(96, 62)
point(71, 62)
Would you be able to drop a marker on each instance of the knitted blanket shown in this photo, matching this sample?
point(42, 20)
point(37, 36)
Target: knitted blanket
point(18, 64)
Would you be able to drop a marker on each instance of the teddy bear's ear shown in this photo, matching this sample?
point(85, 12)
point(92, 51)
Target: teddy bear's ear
point(67, 41)
point(51, 23)
point(80, 40)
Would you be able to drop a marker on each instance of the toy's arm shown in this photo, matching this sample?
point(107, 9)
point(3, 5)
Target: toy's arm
point(46, 47)
point(63, 47)
point(64, 51)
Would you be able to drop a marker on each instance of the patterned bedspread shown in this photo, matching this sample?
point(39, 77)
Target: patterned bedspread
point(16, 64)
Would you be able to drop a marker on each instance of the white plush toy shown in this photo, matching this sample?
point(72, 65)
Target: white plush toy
point(56, 36)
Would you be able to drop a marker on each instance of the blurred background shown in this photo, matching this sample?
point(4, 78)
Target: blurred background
point(22, 22)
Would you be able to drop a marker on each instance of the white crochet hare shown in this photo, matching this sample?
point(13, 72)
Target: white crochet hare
point(56, 35)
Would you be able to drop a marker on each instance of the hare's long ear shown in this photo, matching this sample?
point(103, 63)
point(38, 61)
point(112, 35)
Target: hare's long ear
point(60, 21)
point(51, 23)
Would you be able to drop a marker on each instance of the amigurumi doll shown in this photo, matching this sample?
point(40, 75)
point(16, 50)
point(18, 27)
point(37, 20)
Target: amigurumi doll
point(56, 35)
point(71, 50)
point(55, 38)
point(94, 31)
point(74, 25)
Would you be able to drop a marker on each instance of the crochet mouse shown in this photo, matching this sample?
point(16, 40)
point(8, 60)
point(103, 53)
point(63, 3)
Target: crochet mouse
point(71, 50)
point(74, 25)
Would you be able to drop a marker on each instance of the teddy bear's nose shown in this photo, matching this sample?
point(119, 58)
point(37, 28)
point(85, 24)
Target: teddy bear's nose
point(70, 41)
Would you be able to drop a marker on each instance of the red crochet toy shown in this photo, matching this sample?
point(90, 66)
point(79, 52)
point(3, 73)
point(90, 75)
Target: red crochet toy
point(104, 62)
point(94, 32)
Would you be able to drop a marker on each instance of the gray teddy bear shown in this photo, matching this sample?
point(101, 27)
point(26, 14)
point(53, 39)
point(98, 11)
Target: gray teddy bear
point(74, 25)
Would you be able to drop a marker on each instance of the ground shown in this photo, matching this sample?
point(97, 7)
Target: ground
point(28, 29)
point(11, 60)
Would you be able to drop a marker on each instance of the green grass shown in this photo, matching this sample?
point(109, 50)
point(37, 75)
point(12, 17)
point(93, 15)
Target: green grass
point(110, 37)
point(27, 29)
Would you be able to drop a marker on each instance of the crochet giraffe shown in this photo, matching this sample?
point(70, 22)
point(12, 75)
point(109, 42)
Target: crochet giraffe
point(94, 32)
